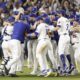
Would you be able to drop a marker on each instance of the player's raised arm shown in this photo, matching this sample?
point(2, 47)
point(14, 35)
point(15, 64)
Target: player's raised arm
point(17, 15)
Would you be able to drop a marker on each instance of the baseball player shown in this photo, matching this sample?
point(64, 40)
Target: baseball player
point(6, 33)
point(75, 40)
point(15, 43)
point(31, 44)
point(20, 62)
point(43, 45)
point(63, 26)
point(19, 31)
point(51, 36)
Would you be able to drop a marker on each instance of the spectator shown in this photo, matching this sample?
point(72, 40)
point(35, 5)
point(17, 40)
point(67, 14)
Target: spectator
point(17, 7)
point(55, 5)
point(9, 5)
point(66, 6)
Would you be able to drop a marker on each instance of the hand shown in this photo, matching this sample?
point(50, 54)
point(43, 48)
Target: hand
point(28, 35)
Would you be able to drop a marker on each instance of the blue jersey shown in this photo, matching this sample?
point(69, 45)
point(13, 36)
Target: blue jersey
point(19, 31)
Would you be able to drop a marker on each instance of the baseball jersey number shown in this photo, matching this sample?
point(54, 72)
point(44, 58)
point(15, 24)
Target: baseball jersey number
point(67, 26)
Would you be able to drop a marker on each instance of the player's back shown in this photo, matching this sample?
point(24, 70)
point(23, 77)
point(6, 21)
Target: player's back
point(41, 29)
point(7, 32)
point(19, 30)
point(64, 25)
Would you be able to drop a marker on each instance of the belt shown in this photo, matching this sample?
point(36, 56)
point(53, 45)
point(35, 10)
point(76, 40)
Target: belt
point(65, 34)
point(42, 38)
point(74, 43)
point(5, 40)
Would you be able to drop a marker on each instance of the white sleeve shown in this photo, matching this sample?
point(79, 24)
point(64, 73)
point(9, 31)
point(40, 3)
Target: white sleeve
point(21, 10)
point(38, 30)
point(2, 32)
point(10, 30)
point(14, 9)
point(69, 26)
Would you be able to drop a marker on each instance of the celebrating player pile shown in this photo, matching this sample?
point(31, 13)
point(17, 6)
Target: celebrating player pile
point(49, 35)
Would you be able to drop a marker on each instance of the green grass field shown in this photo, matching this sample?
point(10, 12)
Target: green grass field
point(25, 76)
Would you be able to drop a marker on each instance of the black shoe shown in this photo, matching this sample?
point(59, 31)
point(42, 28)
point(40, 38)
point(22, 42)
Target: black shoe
point(72, 68)
point(54, 70)
point(6, 70)
point(12, 75)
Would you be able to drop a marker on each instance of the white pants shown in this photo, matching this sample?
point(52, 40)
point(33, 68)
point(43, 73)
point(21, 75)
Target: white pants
point(76, 48)
point(63, 45)
point(15, 48)
point(55, 52)
point(31, 45)
point(43, 46)
point(6, 53)
point(20, 62)
point(5, 48)
point(30, 58)
point(35, 65)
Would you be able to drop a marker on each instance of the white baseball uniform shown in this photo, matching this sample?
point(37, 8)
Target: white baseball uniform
point(44, 44)
point(75, 40)
point(30, 57)
point(64, 39)
point(6, 32)
point(20, 62)
point(54, 45)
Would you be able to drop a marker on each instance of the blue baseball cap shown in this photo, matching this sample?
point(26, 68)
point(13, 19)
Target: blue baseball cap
point(15, 12)
point(24, 17)
point(44, 15)
point(39, 18)
point(47, 21)
point(53, 13)
point(77, 16)
point(71, 16)
point(76, 19)
point(34, 10)
point(33, 15)
point(56, 18)
point(61, 12)
point(18, 2)
point(11, 19)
